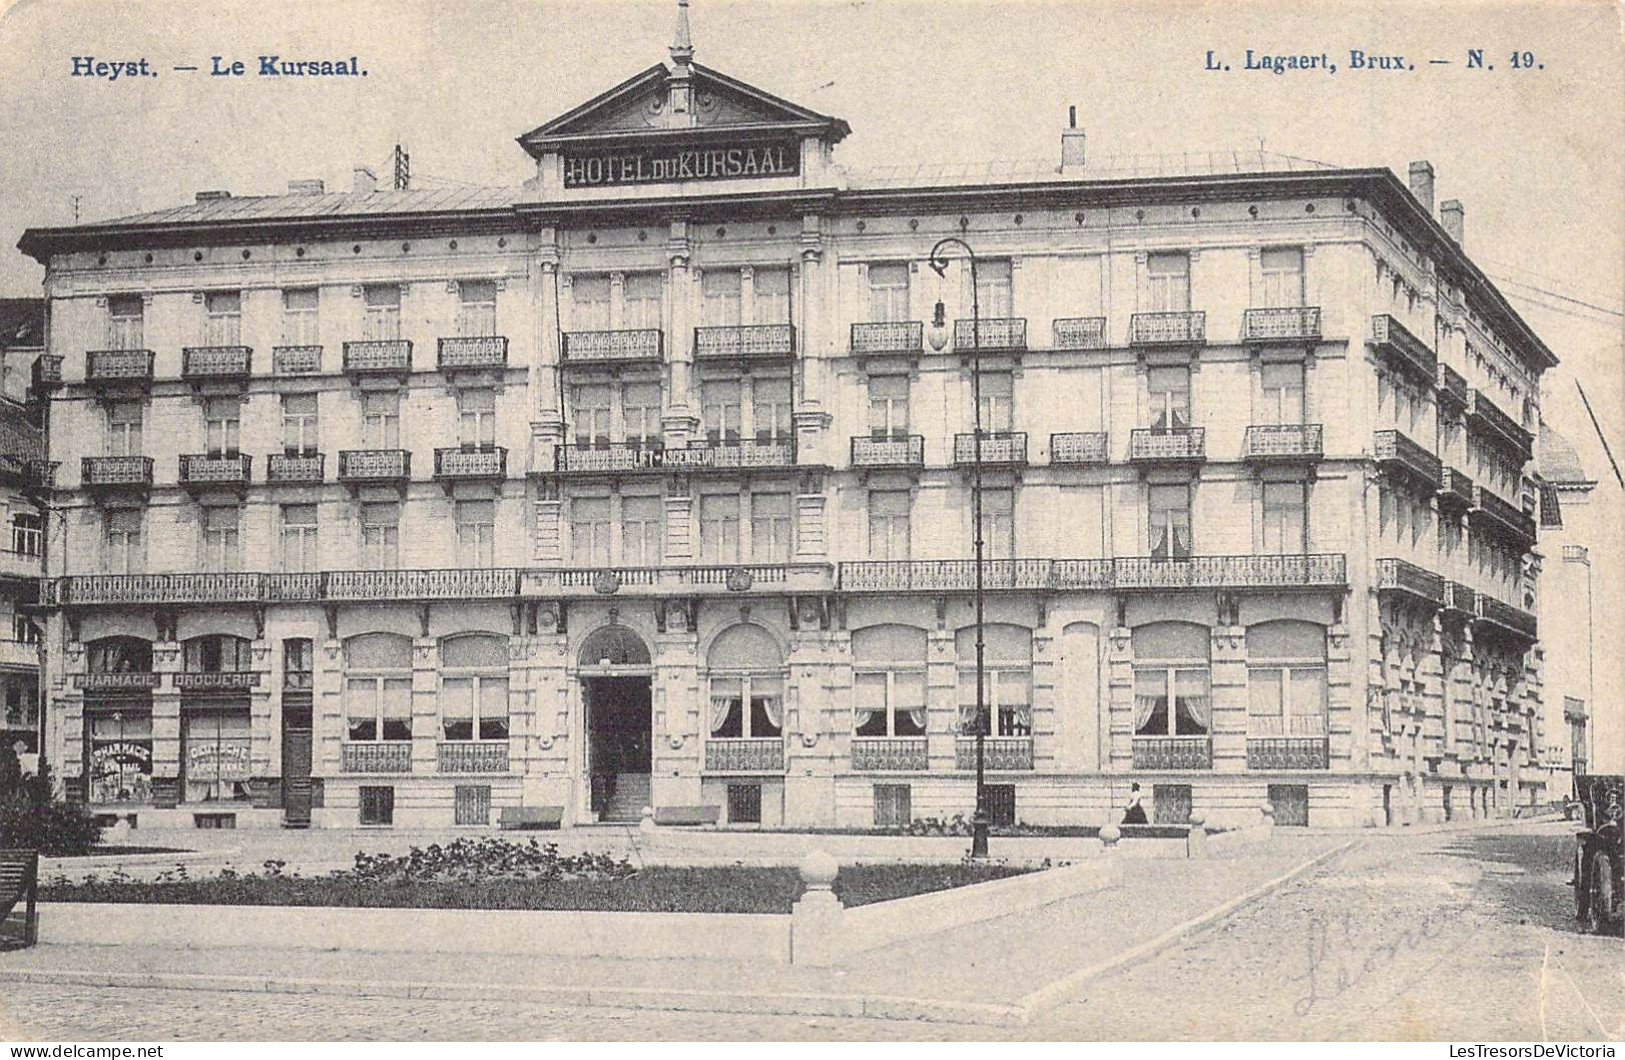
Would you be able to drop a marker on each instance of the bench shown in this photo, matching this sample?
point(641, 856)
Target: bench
point(687, 815)
point(519, 818)
point(19, 882)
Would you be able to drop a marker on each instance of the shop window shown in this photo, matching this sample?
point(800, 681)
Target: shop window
point(120, 756)
point(216, 764)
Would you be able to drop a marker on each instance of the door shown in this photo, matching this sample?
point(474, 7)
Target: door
point(619, 732)
point(296, 752)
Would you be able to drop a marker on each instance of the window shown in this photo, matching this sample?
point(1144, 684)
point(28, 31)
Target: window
point(381, 535)
point(746, 671)
point(770, 411)
point(1282, 393)
point(1169, 276)
point(1283, 277)
point(223, 318)
point(1170, 521)
point(377, 804)
point(1170, 393)
point(589, 531)
point(641, 531)
point(590, 407)
point(1007, 686)
point(1171, 680)
point(998, 390)
point(298, 662)
point(300, 322)
point(719, 528)
point(477, 418)
point(221, 551)
point(300, 436)
point(770, 293)
point(721, 409)
point(472, 804)
point(1001, 804)
point(381, 419)
point(474, 687)
point(744, 804)
point(888, 407)
point(993, 289)
point(476, 533)
point(217, 654)
point(888, 681)
point(124, 428)
point(27, 533)
point(1286, 679)
point(476, 308)
point(1171, 804)
point(643, 300)
point(124, 552)
point(893, 806)
point(378, 687)
point(1285, 518)
point(640, 414)
point(299, 538)
point(770, 527)
point(382, 322)
point(888, 524)
point(222, 422)
point(125, 322)
point(120, 760)
point(888, 293)
point(720, 292)
point(999, 523)
point(590, 295)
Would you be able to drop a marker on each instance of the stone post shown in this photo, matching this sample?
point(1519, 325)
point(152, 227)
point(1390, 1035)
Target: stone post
point(815, 919)
point(1109, 835)
point(1196, 838)
point(1266, 812)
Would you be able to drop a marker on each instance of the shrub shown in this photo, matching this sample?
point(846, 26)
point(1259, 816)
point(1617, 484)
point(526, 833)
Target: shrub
point(55, 828)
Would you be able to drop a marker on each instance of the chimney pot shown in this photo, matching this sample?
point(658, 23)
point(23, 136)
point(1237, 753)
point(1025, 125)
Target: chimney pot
point(1453, 217)
point(366, 181)
point(306, 187)
point(1072, 144)
point(211, 196)
point(1422, 184)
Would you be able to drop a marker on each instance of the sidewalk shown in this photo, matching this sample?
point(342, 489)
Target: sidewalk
point(990, 973)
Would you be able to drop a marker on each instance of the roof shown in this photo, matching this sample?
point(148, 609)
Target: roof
point(290, 207)
point(22, 322)
point(19, 436)
point(1104, 167)
point(1557, 460)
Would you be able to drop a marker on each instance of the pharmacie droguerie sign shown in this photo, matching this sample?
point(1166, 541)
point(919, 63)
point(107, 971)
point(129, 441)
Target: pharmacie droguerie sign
point(666, 164)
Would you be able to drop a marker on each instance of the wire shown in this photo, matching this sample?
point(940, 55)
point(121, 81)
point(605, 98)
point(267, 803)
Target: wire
point(1559, 297)
point(1607, 451)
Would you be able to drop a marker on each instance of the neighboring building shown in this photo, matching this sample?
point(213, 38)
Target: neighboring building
point(23, 476)
point(648, 483)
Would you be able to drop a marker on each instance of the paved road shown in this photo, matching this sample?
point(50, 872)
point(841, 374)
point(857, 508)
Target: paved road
point(1447, 936)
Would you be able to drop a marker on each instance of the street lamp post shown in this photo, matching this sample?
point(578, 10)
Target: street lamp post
point(939, 339)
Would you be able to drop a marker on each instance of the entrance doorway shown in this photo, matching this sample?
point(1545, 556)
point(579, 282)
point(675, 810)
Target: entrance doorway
point(620, 724)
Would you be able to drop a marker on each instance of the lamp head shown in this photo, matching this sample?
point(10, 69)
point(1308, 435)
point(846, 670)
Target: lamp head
point(939, 327)
point(939, 266)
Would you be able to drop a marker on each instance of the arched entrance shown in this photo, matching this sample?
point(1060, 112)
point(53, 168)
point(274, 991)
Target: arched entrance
point(616, 677)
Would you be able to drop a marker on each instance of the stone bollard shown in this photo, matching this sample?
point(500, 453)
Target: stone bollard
point(1109, 835)
point(1196, 838)
point(815, 919)
point(646, 824)
point(1266, 813)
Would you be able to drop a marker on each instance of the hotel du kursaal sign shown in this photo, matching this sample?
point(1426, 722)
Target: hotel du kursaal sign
point(662, 164)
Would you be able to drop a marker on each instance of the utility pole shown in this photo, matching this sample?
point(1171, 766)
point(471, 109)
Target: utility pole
point(403, 168)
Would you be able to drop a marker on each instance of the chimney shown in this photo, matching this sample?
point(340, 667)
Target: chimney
point(1452, 216)
point(306, 187)
point(211, 196)
point(1072, 139)
point(366, 181)
point(1422, 184)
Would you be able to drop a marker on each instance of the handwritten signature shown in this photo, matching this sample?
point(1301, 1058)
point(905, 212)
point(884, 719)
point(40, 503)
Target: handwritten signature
point(1334, 967)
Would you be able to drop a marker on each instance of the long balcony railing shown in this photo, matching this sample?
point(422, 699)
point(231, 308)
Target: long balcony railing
point(1079, 447)
point(118, 366)
point(216, 363)
point(472, 756)
point(999, 753)
point(1255, 571)
point(242, 587)
point(935, 575)
point(1455, 491)
point(903, 336)
point(745, 342)
point(889, 753)
point(1173, 445)
point(375, 465)
point(296, 360)
point(115, 472)
point(1402, 576)
point(700, 455)
point(1173, 752)
point(1271, 443)
point(209, 470)
point(1508, 618)
point(295, 468)
point(473, 583)
point(1187, 328)
point(631, 346)
point(1395, 452)
point(473, 353)
point(394, 757)
point(724, 454)
point(999, 449)
point(219, 681)
point(470, 465)
point(707, 579)
point(751, 755)
point(1486, 417)
point(378, 357)
point(1393, 342)
point(1452, 389)
point(906, 452)
point(1311, 571)
point(1290, 324)
point(991, 334)
point(1288, 752)
point(1502, 518)
point(1459, 598)
point(1080, 333)
point(212, 588)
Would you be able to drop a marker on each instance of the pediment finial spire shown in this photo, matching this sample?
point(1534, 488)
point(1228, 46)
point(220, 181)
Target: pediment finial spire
point(682, 45)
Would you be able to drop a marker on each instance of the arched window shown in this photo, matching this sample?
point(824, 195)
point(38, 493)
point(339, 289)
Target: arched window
point(1171, 680)
point(1286, 679)
point(119, 655)
point(1007, 686)
point(614, 646)
point(378, 687)
point(216, 653)
point(888, 680)
point(747, 684)
point(474, 687)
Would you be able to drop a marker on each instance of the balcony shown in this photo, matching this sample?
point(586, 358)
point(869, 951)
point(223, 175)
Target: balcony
point(889, 753)
point(1394, 344)
point(471, 465)
point(1486, 417)
point(26, 472)
point(991, 335)
point(1290, 325)
point(999, 449)
point(1456, 491)
point(999, 753)
point(114, 368)
point(943, 575)
point(1305, 571)
point(296, 360)
point(286, 469)
point(750, 343)
point(1407, 579)
point(643, 346)
point(116, 473)
point(1398, 454)
point(471, 756)
point(1173, 752)
point(82, 590)
point(728, 755)
point(1452, 389)
point(1506, 618)
point(708, 580)
point(481, 353)
point(1282, 443)
point(1288, 752)
point(377, 758)
point(630, 457)
point(91, 590)
point(120, 683)
point(1501, 518)
point(1080, 333)
point(378, 357)
point(1079, 447)
point(50, 370)
point(476, 583)
point(1168, 447)
point(895, 337)
point(366, 467)
point(1460, 599)
point(1082, 574)
point(731, 456)
point(206, 471)
point(885, 453)
point(222, 681)
point(216, 364)
point(1167, 329)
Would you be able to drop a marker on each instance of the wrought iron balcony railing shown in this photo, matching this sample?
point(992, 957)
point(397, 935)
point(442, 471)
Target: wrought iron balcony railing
point(216, 363)
point(734, 755)
point(470, 465)
point(1395, 452)
point(222, 681)
point(119, 682)
point(296, 360)
point(50, 369)
point(713, 579)
point(1459, 598)
point(1290, 324)
point(1269, 443)
point(1255, 571)
point(237, 587)
point(375, 465)
point(999, 449)
point(1288, 752)
point(378, 357)
point(999, 753)
point(1173, 752)
point(1395, 344)
point(1502, 518)
point(1486, 418)
point(1079, 447)
point(633, 346)
point(1168, 329)
point(115, 472)
point(702, 455)
point(889, 753)
point(472, 756)
point(1080, 333)
point(1452, 389)
point(473, 353)
point(903, 336)
point(118, 366)
point(479, 583)
point(26, 473)
point(295, 469)
point(937, 575)
point(745, 342)
point(1402, 576)
point(1082, 574)
point(995, 334)
point(1503, 615)
point(906, 452)
point(1125, 573)
point(204, 470)
point(211, 588)
point(1173, 445)
point(377, 757)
